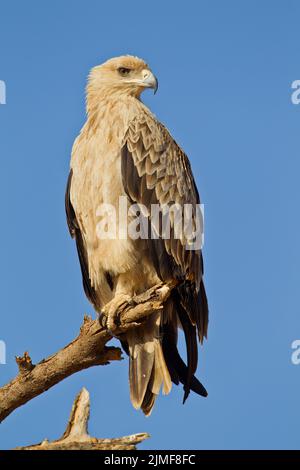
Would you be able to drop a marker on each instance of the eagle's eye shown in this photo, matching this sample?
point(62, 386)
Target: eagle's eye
point(124, 71)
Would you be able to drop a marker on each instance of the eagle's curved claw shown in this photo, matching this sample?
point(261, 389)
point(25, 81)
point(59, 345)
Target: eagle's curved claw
point(108, 323)
point(112, 311)
point(102, 320)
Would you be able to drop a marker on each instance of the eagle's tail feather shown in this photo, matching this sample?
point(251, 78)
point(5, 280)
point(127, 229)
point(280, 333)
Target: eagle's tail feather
point(147, 368)
point(178, 370)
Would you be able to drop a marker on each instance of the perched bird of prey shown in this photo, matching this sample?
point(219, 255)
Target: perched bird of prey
point(123, 150)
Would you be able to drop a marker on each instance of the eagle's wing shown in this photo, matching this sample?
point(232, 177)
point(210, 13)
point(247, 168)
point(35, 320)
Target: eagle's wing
point(155, 170)
point(75, 232)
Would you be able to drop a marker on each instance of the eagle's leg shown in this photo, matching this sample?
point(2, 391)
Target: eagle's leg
point(112, 310)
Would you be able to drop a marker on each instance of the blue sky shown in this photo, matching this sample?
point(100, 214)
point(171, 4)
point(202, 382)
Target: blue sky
point(225, 71)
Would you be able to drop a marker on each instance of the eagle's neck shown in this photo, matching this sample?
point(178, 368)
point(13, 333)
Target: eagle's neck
point(111, 111)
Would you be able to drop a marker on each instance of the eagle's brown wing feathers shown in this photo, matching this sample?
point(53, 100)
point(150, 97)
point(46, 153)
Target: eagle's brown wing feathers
point(156, 171)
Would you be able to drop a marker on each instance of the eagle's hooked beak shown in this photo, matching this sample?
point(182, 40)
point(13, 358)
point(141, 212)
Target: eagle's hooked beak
point(150, 80)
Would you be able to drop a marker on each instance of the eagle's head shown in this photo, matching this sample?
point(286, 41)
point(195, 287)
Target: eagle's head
point(125, 75)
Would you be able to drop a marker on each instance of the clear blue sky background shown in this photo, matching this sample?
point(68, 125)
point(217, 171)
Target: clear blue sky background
point(225, 71)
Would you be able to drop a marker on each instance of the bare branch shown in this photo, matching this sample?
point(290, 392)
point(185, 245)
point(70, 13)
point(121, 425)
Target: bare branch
point(76, 436)
point(87, 350)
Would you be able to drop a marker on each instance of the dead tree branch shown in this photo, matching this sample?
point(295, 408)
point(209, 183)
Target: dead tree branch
point(87, 350)
point(76, 436)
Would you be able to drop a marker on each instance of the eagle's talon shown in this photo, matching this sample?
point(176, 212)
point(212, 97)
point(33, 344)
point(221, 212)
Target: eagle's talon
point(117, 319)
point(113, 311)
point(110, 325)
point(103, 320)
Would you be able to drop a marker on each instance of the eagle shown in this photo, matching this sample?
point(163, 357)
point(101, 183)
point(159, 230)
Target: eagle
point(124, 151)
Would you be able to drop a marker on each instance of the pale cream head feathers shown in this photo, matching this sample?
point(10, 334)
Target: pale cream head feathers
point(125, 75)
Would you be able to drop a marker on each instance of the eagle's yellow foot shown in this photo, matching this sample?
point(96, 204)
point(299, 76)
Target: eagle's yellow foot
point(110, 315)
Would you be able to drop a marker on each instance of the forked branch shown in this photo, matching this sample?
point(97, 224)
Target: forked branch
point(76, 436)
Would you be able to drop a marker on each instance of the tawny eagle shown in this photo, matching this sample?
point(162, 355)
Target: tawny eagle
point(123, 150)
